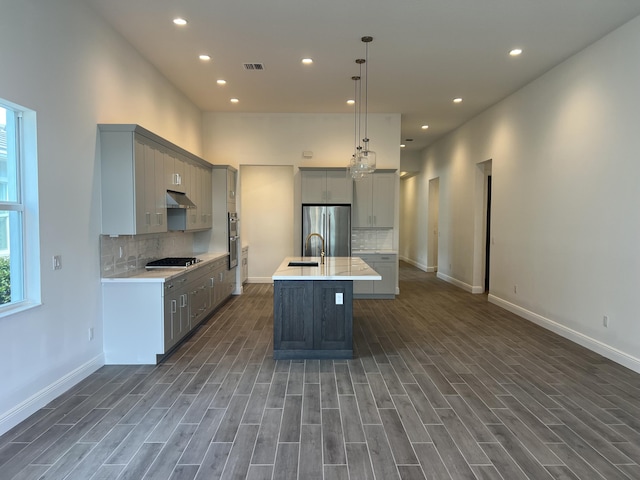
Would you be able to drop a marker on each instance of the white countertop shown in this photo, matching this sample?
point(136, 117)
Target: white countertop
point(163, 274)
point(373, 252)
point(334, 268)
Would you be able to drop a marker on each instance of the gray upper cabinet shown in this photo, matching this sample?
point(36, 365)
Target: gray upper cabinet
point(205, 207)
point(193, 192)
point(374, 201)
point(174, 171)
point(326, 186)
point(232, 177)
point(133, 190)
point(137, 169)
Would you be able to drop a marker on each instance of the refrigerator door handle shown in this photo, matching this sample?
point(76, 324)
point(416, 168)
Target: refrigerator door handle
point(325, 222)
point(328, 241)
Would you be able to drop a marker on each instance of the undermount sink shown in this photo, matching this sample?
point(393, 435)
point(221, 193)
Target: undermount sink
point(303, 263)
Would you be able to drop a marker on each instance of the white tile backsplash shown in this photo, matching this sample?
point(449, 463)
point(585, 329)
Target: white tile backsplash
point(371, 239)
point(127, 253)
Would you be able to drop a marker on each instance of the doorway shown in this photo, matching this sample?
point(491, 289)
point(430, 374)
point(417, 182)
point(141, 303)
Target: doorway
point(432, 225)
point(482, 228)
point(487, 255)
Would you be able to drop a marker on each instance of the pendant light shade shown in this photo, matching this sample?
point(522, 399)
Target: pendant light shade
point(363, 160)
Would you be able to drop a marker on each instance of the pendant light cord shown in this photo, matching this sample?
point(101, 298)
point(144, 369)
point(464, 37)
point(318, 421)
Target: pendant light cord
point(366, 94)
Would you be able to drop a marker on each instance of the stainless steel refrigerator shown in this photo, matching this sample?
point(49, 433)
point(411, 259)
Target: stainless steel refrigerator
point(333, 223)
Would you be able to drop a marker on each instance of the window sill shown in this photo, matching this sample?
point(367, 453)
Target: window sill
point(10, 310)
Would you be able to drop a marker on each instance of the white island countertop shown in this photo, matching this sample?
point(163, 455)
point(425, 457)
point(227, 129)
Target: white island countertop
point(334, 268)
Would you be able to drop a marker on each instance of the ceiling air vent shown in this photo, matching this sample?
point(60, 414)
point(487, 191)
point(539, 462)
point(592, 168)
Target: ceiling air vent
point(253, 66)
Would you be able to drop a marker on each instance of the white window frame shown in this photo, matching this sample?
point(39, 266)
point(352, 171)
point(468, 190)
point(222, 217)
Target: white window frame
point(25, 258)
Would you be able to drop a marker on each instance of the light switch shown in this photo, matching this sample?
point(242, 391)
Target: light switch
point(339, 299)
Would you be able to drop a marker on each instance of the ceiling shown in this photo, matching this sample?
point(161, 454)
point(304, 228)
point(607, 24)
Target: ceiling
point(424, 52)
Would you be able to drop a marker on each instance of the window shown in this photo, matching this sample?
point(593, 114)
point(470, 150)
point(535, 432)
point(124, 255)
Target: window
point(17, 178)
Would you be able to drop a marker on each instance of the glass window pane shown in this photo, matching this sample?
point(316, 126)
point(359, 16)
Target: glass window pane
point(11, 259)
point(8, 156)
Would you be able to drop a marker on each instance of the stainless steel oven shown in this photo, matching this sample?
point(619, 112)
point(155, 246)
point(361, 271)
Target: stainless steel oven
point(233, 240)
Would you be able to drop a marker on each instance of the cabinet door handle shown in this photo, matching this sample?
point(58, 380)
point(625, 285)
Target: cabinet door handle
point(213, 281)
point(183, 300)
point(159, 217)
point(147, 216)
point(174, 306)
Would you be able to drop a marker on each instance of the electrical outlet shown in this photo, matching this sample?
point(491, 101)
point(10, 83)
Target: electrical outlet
point(57, 262)
point(90, 333)
point(605, 321)
point(339, 298)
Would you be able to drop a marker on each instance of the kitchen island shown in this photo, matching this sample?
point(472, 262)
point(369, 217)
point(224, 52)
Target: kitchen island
point(313, 306)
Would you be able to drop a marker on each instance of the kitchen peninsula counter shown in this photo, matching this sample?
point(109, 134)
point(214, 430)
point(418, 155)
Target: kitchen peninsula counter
point(313, 307)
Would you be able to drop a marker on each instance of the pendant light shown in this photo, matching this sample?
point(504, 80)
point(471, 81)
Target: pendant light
point(363, 160)
point(357, 169)
point(368, 154)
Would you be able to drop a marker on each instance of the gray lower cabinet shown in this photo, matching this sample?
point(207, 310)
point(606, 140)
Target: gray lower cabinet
point(387, 266)
point(176, 313)
point(313, 319)
point(244, 264)
point(143, 321)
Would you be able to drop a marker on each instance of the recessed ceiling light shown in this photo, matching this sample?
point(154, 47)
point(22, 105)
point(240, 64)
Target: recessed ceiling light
point(424, 127)
point(221, 82)
point(457, 100)
point(351, 102)
point(307, 61)
point(402, 145)
point(204, 57)
point(179, 21)
point(515, 52)
point(234, 100)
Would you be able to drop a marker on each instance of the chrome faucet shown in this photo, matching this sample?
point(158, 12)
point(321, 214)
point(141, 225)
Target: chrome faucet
point(306, 245)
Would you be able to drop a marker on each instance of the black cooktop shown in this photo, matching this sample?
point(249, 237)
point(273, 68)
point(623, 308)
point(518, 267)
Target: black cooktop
point(172, 262)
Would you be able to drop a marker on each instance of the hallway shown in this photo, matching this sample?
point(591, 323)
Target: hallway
point(444, 386)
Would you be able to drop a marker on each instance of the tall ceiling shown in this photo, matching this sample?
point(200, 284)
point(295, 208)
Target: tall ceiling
point(424, 52)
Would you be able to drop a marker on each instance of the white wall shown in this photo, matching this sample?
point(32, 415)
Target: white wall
point(279, 139)
point(267, 221)
point(565, 220)
point(59, 59)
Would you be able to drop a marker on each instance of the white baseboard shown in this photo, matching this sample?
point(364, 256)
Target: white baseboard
point(23, 410)
point(454, 281)
point(597, 346)
point(410, 261)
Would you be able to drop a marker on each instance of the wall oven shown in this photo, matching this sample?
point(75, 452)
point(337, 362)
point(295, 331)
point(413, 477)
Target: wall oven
point(233, 240)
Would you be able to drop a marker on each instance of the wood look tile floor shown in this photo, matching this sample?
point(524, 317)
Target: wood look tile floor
point(444, 386)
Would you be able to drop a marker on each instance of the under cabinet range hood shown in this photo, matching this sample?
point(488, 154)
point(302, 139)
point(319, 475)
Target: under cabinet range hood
point(178, 200)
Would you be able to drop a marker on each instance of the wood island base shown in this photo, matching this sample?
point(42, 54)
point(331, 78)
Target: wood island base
point(312, 319)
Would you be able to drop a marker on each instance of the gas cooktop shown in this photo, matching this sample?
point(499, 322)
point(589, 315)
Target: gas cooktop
point(172, 262)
